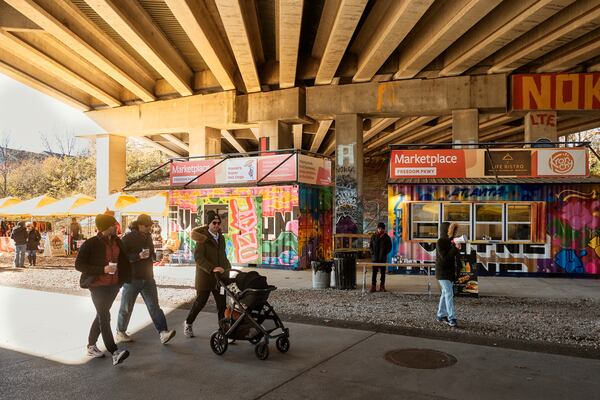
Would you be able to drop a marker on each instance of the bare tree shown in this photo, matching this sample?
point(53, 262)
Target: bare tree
point(63, 144)
point(6, 160)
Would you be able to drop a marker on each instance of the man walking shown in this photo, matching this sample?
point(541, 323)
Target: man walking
point(104, 268)
point(380, 246)
point(140, 252)
point(211, 258)
point(19, 235)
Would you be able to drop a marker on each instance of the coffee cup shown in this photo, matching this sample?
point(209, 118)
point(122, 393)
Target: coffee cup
point(113, 265)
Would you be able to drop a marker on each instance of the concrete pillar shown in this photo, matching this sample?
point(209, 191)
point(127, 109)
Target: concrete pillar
point(465, 126)
point(110, 164)
point(540, 125)
point(348, 174)
point(278, 134)
point(205, 140)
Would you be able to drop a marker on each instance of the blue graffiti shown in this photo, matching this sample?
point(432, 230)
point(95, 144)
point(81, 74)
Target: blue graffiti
point(568, 260)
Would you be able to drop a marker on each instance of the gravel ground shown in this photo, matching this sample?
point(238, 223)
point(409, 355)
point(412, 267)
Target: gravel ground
point(574, 323)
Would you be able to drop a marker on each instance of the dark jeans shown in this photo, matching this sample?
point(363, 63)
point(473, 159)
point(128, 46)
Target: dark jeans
point(31, 256)
point(201, 299)
point(382, 270)
point(103, 297)
point(150, 295)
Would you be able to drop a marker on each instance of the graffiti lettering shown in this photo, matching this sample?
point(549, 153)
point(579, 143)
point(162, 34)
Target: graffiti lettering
point(245, 221)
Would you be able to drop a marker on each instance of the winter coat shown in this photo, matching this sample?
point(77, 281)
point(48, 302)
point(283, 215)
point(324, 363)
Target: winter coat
point(208, 255)
point(19, 235)
point(33, 239)
point(445, 259)
point(91, 260)
point(380, 247)
point(134, 241)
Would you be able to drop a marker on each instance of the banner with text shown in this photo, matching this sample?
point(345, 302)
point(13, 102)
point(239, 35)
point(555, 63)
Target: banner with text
point(556, 91)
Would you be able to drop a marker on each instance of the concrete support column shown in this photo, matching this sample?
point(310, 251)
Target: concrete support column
point(278, 135)
point(110, 164)
point(465, 126)
point(348, 174)
point(540, 125)
point(204, 141)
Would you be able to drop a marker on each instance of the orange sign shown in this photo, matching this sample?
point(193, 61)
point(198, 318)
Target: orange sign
point(556, 91)
point(427, 164)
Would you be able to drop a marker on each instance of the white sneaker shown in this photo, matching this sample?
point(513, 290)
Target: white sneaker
point(94, 351)
point(122, 337)
point(119, 356)
point(165, 336)
point(187, 330)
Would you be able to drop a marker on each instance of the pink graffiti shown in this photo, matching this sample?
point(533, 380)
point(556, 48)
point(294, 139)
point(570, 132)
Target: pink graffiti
point(579, 216)
point(245, 243)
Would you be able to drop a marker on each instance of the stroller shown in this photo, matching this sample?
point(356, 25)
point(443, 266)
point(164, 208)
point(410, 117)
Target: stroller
point(249, 316)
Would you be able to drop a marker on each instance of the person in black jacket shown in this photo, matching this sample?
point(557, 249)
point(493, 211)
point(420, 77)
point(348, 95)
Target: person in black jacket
point(380, 246)
point(104, 267)
point(445, 272)
point(19, 235)
point(33, 241)
point(211, 258)
point(140, 251)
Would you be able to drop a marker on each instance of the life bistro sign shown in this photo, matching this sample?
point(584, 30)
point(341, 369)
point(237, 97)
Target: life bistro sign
point(251, 170)
point(556, 91)
point(478, 163)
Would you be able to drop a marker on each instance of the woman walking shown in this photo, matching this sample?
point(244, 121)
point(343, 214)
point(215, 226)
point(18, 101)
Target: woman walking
point(445, 272)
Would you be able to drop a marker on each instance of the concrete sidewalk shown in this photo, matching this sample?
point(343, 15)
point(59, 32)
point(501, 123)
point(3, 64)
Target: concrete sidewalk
point(43, 335)
point(488, 286)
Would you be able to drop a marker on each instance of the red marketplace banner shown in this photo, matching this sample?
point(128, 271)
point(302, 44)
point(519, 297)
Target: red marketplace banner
point(556, 91)
point(427, 164)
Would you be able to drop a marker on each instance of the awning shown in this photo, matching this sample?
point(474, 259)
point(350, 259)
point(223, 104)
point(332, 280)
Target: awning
point(62, 208)
point(9, 201)
point(114, 202)
point(28, 207)
point(155, 205)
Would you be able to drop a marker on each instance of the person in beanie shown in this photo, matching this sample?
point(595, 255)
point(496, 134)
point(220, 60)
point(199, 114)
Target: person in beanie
point(380, 246)
point(140, 252)
point(211, 258)
point(104, 267)
point(445, 272)
point(19, 236)
point(33, 241)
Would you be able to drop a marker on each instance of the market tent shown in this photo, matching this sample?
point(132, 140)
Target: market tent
point(27, 207)
point(155, 205)
point(62, 208)
point(9, 201)
point(114, 202)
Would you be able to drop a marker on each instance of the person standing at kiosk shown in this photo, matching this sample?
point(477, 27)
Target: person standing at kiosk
point(380, 246)
point(445, 272)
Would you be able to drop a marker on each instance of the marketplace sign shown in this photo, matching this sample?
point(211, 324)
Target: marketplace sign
point(478, 163)
point(556, 91)
point(251, 170)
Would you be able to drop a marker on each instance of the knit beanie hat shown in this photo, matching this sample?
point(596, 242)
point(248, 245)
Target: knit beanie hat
point(381, 225)
point(144, 219)
point(103, 222)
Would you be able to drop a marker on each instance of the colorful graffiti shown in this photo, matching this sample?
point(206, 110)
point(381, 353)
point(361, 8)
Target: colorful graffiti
point(572, 237)
point(271, 226)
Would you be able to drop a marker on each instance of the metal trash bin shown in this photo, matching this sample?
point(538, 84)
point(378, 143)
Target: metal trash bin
point(321, 274)
point(345, 270)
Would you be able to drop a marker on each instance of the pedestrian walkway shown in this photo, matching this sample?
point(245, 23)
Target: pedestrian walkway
point(42, 339)
point(488, 285)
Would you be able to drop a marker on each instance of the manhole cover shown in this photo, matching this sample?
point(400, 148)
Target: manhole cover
point(420, 358)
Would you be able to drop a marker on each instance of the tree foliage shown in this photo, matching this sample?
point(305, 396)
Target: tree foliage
point(592, 136)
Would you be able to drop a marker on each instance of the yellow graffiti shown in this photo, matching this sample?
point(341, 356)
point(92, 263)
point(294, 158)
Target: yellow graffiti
point(577, 194)
point(595, 244)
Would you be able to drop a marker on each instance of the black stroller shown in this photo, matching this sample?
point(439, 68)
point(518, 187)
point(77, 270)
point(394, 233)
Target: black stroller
point(249, 316)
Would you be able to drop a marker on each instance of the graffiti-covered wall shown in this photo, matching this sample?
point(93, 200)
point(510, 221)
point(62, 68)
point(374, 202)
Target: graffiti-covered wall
point(572, 237)
point(271, 226)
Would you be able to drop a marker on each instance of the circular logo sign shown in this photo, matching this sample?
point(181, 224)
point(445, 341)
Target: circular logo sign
point(561, 162)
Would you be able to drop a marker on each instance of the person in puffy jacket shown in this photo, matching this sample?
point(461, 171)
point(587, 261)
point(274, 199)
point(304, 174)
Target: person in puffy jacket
point(380, 246)
point(19, 236)
point(445, 272)
point(33, 241)
point(211, 258)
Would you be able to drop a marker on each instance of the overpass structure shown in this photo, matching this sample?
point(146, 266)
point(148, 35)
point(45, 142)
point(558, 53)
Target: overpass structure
point(196, 77)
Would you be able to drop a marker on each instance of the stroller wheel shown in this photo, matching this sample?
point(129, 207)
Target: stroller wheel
point(283, 344)
point(218, 342)
point(262, 351)
point(256, 338)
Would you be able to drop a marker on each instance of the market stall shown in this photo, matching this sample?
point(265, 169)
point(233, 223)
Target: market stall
point(524, 211)
point(6, 245)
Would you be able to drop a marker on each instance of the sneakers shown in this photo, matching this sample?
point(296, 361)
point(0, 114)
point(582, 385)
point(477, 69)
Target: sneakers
point(452, 323)
point(122, 337)
point(165, 336)
point(187, 330)
point(94, 351)
point(119, 356)
point(442, 319)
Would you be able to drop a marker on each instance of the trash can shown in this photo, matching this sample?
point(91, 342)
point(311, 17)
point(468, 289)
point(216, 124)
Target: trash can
point(345, 270)
point(321, 274)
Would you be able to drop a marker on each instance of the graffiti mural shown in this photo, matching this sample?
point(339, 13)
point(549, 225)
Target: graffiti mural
point(572, 218)
point(348, 204)
point(271, 226)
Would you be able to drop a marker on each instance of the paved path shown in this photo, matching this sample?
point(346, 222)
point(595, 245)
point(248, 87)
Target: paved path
point(42, 338)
